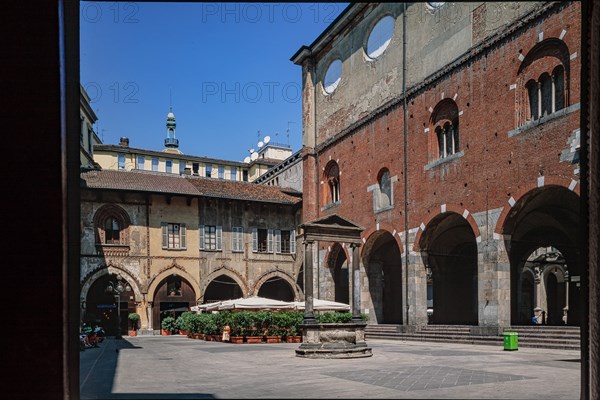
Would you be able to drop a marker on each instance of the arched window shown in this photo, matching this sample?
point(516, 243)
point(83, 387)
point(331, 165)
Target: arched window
point(112, 229)
point(332, 175)
point(546, 91)
point(532, 92)
point(445, 120)
point(558, 79)
point(385, 189)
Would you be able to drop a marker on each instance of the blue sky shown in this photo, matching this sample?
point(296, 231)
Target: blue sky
point(227, 66)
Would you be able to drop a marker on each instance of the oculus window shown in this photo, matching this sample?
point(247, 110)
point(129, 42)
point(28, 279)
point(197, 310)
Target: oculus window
point(332, 76)
point(380, 37)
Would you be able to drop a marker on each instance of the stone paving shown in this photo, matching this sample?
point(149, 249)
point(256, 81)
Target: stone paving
point(175, 367)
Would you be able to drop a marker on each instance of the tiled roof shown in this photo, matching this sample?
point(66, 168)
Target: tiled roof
point(139, 181)
point(241, 190)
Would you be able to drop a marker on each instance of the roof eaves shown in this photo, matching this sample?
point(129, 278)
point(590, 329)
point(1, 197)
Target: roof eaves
point(326, 36)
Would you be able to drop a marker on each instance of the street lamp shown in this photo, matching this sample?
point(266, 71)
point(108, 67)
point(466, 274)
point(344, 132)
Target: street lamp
point(118, 288)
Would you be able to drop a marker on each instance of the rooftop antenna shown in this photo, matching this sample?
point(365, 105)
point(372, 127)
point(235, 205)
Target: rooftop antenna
point(170, 99)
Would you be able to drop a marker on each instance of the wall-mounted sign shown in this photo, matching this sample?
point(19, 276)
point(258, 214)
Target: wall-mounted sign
point(106, 306)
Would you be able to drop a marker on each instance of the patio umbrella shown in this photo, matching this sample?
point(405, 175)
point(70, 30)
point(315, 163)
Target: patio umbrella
point(323, 305)
point(255, 303)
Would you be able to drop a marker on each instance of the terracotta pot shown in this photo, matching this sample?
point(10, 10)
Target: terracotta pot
point(253, 339)
point(132, 333)
point(236, 339)
point(165, 333)
point(182, 332)
point(273, 339)
point(293, 339)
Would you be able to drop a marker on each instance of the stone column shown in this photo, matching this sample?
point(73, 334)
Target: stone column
point(553, 93)
point(418, 290)
point(309, 315)
point(539, 87)
point(355, 282)
point(149, 315)
point(566, 307)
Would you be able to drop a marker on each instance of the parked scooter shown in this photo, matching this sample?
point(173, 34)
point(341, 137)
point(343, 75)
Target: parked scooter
point(100, 334)
point(82, 342)
point(91, 336)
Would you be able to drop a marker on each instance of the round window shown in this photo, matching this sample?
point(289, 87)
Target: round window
point(333, 76)
point(433, 6)
point(380, 37)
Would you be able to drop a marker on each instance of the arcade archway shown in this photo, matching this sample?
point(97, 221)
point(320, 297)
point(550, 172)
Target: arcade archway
point(276, 288)
point(173, 296)
point(383, 264)
point(542, 237)
point(222, 287)
point(449, 253)
point(102, 306)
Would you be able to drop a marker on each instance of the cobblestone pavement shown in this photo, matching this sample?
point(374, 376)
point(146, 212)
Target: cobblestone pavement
point(176, 367)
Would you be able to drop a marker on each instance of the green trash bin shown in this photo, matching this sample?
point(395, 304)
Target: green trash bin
point(511, 341)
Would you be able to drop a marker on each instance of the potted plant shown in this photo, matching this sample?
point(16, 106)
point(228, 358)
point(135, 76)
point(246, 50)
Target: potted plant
point(256, 327)
point(239, 325)
point(134, 319)
point(276, 327)
point(168, 325)
point(182, 323)
point(293, 330)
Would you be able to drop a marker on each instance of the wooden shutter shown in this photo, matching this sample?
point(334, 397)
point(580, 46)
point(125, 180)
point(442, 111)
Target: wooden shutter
point(165, 236)
point(292, 241)
point(219, 236)
point(254, 239)
point(270, 241)
point(201, 233)
point(182, 233)
point(277, 241)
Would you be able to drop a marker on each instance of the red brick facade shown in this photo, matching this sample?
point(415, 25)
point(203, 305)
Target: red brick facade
point(501, 156)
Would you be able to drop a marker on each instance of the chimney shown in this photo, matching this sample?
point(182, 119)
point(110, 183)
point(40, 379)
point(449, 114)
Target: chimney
point(124, 141)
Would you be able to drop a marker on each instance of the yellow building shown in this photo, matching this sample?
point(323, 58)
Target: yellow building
point(172, 161)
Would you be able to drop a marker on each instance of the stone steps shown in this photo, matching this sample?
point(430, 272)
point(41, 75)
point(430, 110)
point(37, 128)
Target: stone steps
point(566, 338)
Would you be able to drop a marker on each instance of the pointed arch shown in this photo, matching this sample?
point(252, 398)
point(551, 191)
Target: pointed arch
point(230, 273)
point(110, 269)
point(174, 268)
point(275, 274)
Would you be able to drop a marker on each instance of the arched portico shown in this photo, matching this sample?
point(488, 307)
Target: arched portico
point(172, 293)
point(449, 253)
point(276, 285)
point(541, 233)
point(101, 307)
point(223, 284)
point(383, 264)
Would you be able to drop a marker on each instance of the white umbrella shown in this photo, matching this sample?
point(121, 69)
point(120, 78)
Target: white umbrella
point(255, 303)
point(323, 305)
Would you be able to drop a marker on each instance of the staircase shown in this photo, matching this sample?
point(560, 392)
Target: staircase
point(547, 337)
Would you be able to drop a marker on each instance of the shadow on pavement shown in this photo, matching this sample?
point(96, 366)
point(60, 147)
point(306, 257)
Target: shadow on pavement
point(98, 369)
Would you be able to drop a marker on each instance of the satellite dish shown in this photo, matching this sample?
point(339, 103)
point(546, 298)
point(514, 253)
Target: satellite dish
point(267, 139)
point(254, 156)
point(251, 151)
point(260, 144)
point(247, 159)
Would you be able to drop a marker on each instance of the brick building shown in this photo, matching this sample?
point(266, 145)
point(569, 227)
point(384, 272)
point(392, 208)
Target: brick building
point(450, 132)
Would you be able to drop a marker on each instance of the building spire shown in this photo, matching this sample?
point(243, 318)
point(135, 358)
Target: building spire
point(171, 141)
